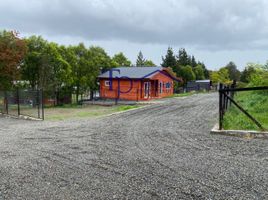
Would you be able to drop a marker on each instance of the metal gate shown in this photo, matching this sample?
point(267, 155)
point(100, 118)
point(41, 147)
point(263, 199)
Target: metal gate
point(226, 99)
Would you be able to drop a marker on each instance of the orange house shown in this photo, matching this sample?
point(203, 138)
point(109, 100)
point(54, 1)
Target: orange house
point(137, 83)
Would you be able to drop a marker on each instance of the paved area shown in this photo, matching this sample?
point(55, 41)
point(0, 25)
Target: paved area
point(162, 151)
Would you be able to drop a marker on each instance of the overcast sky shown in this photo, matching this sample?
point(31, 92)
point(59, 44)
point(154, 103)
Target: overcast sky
point(215, 31)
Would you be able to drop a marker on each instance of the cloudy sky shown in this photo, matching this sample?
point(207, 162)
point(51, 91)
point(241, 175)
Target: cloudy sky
point(215, 31)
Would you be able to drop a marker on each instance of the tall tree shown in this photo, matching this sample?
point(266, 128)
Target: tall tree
point(140, 60)
point(121, 60)
point(183, 58)
point(234, 73)
point(193, 62)
point(169, 60)
point(35, 67)
point(12, 52)
point(199, 72)
point(206, 72)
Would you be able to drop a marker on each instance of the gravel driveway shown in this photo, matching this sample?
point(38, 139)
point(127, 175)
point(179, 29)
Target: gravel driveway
point(162, 151)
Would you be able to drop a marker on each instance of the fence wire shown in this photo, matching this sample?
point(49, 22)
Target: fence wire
point(22, 102)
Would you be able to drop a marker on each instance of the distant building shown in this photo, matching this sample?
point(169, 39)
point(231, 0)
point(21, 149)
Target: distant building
point(137, 83)
point(198, 85)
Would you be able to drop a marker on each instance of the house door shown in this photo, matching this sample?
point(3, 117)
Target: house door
point(147, 87)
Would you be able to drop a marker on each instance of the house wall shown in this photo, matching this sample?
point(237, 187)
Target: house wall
point(164, 78)
point(133, 93)
point(137, 91)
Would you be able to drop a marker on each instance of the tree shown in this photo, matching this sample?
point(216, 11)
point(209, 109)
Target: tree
point(140, 60)
point(60, 71)
point(12, 52)
point(33, 69)
point(45, 66)
point(186, 73)
point(206, 72)
point(149, 63)
point(86, 67)
point(221, 76)
point(234, 73)
point(193, 62)
point(183, 59)
point(199, 72)
point(249, 70)
point(99, 60)
point(169, 60)
point(121, 60)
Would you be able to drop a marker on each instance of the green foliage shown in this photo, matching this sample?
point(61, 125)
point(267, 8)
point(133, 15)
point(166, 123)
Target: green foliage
point(58, 68)
point(221, 76)
point(199, 72)
point(249, 70)
point(170, 59)
point(140, 60)
point(183, 58)
point(256, 104)
point(179, 62)
point(121, 60)
point(149, 63)
point(187, 74)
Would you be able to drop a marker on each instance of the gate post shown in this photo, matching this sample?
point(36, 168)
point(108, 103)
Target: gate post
point(220, 106)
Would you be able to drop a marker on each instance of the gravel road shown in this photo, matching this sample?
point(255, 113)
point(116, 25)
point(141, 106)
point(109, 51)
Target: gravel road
point(162, 151)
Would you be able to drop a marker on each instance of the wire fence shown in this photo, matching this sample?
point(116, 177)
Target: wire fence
point(22, 102)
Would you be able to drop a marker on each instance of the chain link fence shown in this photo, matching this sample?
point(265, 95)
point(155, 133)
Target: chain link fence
point(22, 102)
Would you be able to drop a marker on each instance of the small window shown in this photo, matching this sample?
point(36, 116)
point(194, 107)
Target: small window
point(107, 83)
point(168, 85)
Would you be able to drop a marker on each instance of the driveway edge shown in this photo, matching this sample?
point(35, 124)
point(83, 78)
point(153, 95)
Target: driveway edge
point(239, 133)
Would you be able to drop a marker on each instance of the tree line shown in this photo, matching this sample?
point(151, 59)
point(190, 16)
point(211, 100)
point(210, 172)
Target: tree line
point(185, 65)
point(35, 63)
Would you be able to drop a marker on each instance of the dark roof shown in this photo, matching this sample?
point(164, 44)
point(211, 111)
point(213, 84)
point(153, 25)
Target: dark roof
point(132, 72)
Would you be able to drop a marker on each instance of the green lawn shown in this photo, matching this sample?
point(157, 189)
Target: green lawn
point(89, 111)
point(255, 103)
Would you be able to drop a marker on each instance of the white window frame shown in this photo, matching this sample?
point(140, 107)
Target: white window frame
point(161, 87)
point(107, 83)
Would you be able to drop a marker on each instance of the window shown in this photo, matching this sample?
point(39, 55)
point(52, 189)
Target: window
point(161, 87)
point(107, 83)
point(168, 85)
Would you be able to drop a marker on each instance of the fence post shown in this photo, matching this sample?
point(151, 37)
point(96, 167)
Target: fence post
point(42, 102)
point(6, 102)
point(18, 99)
point(38, 101)
point(220, 106)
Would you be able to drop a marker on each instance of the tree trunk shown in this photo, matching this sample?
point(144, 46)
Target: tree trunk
point(91, 94)
point(77, 94)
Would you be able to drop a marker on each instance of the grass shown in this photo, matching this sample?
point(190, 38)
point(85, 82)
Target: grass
point(90, 111)
point(185, 94)
point(255, 103)
point(181, 94)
